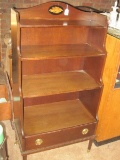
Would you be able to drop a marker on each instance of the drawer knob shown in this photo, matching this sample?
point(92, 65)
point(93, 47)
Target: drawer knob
point(85, 131)
point(38, 142)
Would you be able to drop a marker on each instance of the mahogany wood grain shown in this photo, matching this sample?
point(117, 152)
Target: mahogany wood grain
point(63, 64)
point(56, 83)
point(94, 67)
point(91, 100)
point(48, 22)
point(53, 35)
point(99, 41)
point(41, 12)
point(35, 52)
point(61, 137)
point(57, 63)
point(29, 101)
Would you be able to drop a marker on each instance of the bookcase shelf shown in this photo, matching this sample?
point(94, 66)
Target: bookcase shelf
point(56, 83)
point(55, 116)
point(48, 23)
point(56, 51)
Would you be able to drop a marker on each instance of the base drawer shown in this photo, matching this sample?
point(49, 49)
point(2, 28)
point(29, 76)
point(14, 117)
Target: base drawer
point(64, 136)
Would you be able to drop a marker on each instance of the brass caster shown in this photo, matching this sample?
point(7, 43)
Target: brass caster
point(88, 150)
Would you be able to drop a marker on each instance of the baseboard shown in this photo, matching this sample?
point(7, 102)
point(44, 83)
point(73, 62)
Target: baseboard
point(106, 141)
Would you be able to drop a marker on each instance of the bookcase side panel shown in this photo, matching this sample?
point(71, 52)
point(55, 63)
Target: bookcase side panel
point(91, 100)
point(97, 37)
point(94, 67)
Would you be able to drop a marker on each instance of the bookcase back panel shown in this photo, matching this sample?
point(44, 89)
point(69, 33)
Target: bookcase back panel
point(30, 67)
point(90, 99)
point(50, 98)
point(91, 65)
point(43, 12)
point(53, 35)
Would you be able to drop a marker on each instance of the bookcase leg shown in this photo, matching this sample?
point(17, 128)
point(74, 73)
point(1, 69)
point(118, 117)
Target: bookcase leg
point(24, 157)
point(90, 145)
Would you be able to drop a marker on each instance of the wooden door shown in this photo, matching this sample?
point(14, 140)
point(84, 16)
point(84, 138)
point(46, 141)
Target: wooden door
point(109, 109)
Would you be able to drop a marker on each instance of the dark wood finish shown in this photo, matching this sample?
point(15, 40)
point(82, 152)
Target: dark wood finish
point(91, 99)
point(29, 101)
point(41, 23)
point(52, 36)
point(51, 65)
point(41, 12)
point(55, 116)
point(61, 51)
point(60, 136)
point(57, 81)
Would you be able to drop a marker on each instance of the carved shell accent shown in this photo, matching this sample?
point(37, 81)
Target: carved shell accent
point(56, 9)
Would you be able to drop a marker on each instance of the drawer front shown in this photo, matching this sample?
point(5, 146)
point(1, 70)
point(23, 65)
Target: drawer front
point(60, 137)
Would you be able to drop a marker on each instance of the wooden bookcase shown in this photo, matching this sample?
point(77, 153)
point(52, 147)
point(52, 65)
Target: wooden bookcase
point(57, 64)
